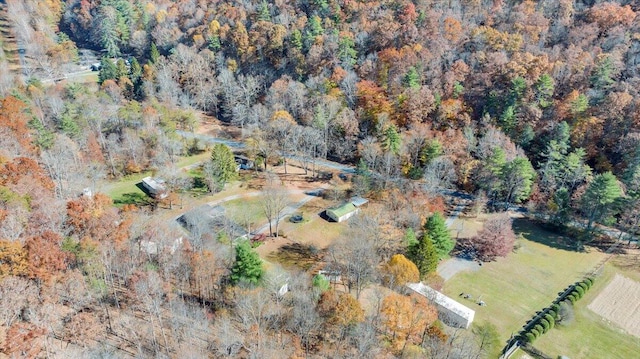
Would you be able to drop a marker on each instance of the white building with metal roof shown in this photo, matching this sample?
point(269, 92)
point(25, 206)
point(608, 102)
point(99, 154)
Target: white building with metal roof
point(450, 312)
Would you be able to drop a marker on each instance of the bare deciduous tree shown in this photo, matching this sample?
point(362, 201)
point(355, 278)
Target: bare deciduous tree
point(274, 201)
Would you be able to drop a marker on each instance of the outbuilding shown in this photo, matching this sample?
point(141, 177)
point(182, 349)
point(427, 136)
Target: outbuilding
point(342, 212)
point(346, 210)
point(155, 187)
point(450, 312)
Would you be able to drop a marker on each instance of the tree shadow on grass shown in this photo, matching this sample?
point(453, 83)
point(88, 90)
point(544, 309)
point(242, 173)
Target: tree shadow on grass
point(544, 234)
point(135, 198)
point(297, 255)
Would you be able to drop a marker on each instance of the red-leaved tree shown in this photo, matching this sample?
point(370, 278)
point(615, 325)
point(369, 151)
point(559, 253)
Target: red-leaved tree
point(496, 239)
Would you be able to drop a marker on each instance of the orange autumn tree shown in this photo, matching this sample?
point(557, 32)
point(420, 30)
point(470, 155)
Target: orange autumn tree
point(95, 217)
point(373, 100)
point(13, 259)
point(399, 271)
point(23, 340)
point(406, 319)
point(23, 172)
point(45, 255)
point(14, 132)
point(340, 310)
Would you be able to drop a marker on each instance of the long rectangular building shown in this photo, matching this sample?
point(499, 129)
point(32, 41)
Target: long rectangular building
point(450, 312)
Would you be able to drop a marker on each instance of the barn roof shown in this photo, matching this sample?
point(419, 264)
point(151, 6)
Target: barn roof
point(342, 209)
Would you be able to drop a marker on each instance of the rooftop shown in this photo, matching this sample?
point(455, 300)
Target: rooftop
point(442, 300)
point(359, 201)
point(342, 209)
point(154, 183)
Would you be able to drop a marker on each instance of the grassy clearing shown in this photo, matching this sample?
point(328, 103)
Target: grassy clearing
point(245, 211)
point(125, 189)
point(192, 160)
point(590, 336)
point(119, 189)
point(514, 288)
point(314, 230)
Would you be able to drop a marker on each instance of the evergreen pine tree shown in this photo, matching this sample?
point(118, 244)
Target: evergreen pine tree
point(346, 51)
point(154, 54)
point(424, 255)
point(440, 235)
point(362, 178)
point(222, 168)
point(248, 265)
point(410, 238)
point(263, 12)
point(412, 78)
point(108, 70)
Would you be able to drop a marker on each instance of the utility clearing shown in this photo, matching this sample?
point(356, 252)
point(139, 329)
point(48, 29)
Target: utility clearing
point(618, 303)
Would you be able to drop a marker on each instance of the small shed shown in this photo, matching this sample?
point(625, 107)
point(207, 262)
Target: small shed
point(155, 187)
point(359, 201)
point(342, 212)
point(450, 312)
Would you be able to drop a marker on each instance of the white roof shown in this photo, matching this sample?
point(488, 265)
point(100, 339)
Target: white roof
point(358, 201)
point(442, 300)
point(154, 183)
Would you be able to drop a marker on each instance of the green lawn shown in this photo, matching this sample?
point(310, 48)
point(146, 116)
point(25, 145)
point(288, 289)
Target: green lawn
point(125, 187)
point(192, 160)
point(515, 287)
point(245, 210)
point(589, 336)
point(314, 230)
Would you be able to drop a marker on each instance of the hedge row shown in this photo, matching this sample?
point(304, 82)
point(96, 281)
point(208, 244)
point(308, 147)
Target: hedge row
point(548, 320)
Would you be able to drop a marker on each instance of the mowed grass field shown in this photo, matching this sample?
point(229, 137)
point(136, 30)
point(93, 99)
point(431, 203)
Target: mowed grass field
point(590, 336)
point(517, 286)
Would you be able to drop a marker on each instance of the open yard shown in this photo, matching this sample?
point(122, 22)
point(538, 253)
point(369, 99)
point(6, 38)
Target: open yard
point(314, 230)
point(126, 186)
point(248, 210)
point(514, 288)
point(304, 241)
point(591, 336)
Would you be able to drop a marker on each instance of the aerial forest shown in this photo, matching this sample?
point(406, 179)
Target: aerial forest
point(533, 105)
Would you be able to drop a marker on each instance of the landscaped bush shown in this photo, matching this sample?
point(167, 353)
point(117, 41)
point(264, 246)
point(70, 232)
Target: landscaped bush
point(583, 285)
point(552, 313)
point(557, 313)
point(535, 332)
point(529, 337)
point(545, 325)
point(575, 294)
point(539, 328)
point(551, 319)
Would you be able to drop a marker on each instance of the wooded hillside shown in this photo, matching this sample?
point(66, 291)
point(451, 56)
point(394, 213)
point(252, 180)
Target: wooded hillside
point(528, 103)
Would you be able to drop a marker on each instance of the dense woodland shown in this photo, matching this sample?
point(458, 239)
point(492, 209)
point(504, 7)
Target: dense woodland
point(533, 103)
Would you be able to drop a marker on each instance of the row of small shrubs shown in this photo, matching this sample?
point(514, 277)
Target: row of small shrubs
point(553, 315)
